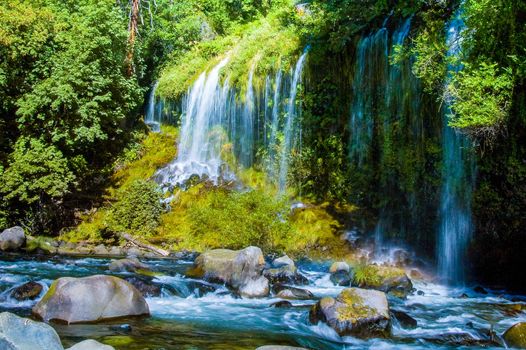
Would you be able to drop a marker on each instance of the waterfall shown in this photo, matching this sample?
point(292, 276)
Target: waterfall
point(386, 111)
point(201, 137)
point(455, 227)
point(291, 125)
point(152, 118)
point(216, 121)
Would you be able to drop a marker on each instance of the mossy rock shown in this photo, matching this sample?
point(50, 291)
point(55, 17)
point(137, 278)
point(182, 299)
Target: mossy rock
point(356, 312)
point(515, 336)
point(387, 279)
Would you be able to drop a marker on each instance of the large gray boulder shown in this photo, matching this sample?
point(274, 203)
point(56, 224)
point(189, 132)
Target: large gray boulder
point(12, 238)
point(91, 345)
point(17, 333)
point(240, 270)
point(90, 299)
point(357, 312)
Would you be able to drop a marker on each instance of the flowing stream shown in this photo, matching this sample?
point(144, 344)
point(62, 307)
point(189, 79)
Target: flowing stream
point(192, 314)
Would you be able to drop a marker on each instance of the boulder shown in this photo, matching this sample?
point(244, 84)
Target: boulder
point(282, 304)
point(90, 299)
point(17, 333)
point(339, 266)
point(27, 291)
point(283, 270)
point(288, 292)
point(91, 345)
point(356, 312)
point(515, 336)
point(387, 279)
point(12, 238)
point(134, 252)
point(240, 270)
point(130, 265)
point(115, 251)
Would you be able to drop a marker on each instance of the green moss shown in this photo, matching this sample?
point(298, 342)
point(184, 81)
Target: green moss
point(353, 307)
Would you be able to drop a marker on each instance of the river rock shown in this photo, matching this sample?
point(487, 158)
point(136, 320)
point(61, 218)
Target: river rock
point(130, 265)
point(288, 292)
point(282, 304)
point(101, 250)
point(12, 238)
point(91, 344)
point(27, 291)
point(279, 347)
point(387, 279)
point(404, 319)
point(240, 270)
point(146, 287)
point(357, 312)
point(283, 270)
point(515, 336)
point(90, 299)
point(340, 274)
point(17, 333)
point(339, 266)
point(115, 251)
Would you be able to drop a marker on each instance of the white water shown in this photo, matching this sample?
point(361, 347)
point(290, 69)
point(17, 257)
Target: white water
point(152, 118)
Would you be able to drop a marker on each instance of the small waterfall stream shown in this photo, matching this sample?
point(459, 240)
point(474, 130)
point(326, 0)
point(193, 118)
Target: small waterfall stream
point(457, 180)
point(152, 117)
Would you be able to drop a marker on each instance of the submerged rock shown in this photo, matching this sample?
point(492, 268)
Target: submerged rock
point(240, 270)
point(387, 279)
point(357, 312)
point(404, 319)
point(279, 347)
point(145, 286)
point(90, 345)
point(27, 291)
point(90, 299)
point(281, 304)
point(130, 265)
point(17, 333)
point(480, 290)
point(515, 336)
point(12, 238)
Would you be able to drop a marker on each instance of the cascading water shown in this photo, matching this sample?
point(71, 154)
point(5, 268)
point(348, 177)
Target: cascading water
point(152, 118)
point(386, 110)
point(291, 125)
point(216, 121)
point(457, 180)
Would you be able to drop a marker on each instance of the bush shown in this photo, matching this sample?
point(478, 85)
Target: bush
point(138, 209)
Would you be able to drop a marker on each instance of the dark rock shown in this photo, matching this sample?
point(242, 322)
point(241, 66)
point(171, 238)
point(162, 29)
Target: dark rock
point(463, 296)
point(27, 291)
point(480, 290)
point(281, 304)
point(90, 299)
point(459, 339)
point(12, 238)
point(420, 292)
point(284, 270)
point(341, 278)
point(404, 319)
point(126, 328)
point(147, 288)
point(357, 312)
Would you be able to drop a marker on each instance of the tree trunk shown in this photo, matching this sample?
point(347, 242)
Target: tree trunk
point(132, 35)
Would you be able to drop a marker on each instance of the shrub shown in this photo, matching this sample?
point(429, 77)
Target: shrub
point(138, 209)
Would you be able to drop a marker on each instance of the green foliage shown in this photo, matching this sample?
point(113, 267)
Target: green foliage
point(36, 172)
point(366, 275)
point(481, 99)
point(138, 208)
